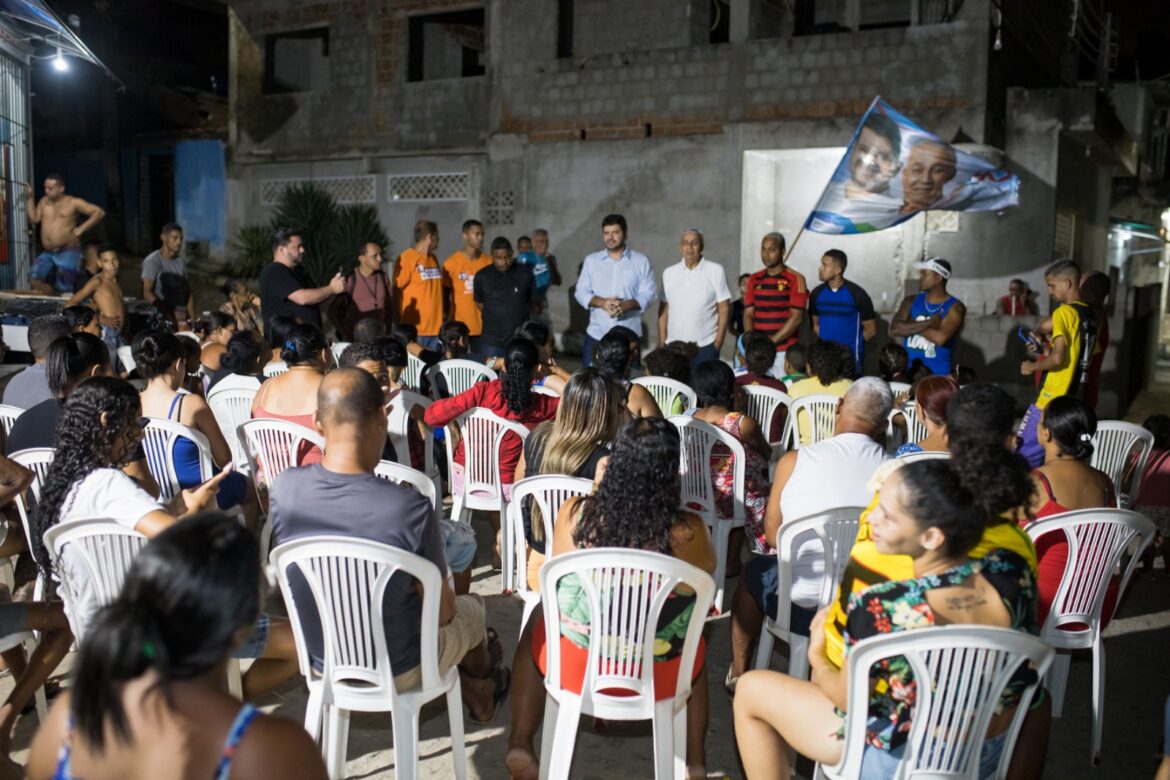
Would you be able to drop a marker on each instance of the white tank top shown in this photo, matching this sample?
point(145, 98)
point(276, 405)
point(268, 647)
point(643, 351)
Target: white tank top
point(829, 474)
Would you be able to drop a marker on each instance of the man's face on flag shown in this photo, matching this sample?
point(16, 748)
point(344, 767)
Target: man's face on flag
point(930, 166)
point(873, 162)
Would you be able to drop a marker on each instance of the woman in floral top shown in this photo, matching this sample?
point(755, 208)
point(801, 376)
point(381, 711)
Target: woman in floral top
point(934, 512)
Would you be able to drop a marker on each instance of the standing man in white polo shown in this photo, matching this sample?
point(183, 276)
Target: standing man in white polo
point(696, 302)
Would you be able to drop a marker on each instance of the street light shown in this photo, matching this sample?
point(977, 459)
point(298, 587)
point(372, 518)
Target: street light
point(59, 63)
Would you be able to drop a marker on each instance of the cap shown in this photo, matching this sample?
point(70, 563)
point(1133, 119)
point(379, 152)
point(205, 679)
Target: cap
point(936, 264)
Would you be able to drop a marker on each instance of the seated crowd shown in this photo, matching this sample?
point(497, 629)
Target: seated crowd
point(941, 541)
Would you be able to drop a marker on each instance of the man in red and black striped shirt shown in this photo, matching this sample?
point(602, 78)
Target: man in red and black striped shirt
point(775, 300)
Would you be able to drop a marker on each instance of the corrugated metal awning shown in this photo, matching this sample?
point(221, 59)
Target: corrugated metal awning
point(41, 26)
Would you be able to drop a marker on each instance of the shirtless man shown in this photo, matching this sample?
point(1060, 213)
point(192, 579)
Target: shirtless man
point(57, 214)
point(107, 299)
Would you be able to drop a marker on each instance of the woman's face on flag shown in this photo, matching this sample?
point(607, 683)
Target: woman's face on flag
point(873, 163)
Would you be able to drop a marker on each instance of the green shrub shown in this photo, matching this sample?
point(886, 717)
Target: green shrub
point(251, 249)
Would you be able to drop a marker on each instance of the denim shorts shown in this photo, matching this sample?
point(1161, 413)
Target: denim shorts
point(254, 647)
point(459, 545)
point(761, 577)
point(878, 764)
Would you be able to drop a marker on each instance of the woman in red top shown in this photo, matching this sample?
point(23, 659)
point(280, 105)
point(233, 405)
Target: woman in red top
point(1066, 482)
point(510, 397)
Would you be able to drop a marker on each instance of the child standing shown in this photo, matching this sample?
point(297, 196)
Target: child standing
point(107, 300)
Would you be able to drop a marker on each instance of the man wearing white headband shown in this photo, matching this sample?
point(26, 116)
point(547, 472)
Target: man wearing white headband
point(930, 321)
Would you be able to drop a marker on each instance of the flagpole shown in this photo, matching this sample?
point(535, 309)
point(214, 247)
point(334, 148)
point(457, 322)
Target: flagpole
point(791, 247)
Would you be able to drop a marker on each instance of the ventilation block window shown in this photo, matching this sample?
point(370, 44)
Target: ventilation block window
point(447, 46)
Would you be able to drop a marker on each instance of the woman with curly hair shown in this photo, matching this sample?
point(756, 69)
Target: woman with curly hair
point(636, 507)
point(936, 513)
point(510, 397)
point(148, 695)
point(99, 429)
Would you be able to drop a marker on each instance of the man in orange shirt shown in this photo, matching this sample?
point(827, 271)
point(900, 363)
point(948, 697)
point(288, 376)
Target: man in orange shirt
point(418, 285)
point(459, 272)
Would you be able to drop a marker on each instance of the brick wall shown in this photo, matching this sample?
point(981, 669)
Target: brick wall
point(604, 27)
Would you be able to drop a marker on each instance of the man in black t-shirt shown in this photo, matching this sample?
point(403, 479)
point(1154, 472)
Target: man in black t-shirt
point(284, 287)
point(505, 291)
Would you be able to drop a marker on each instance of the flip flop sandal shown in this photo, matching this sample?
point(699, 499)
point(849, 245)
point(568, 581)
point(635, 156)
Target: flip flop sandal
point(502, 677)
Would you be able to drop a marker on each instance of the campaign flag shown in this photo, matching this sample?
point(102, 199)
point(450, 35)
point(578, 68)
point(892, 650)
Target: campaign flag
point(894, 169)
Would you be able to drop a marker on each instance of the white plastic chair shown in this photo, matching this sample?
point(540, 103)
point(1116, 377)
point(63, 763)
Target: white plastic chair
point(914, 457)
point(104, 549)
point(667, 391)
point(275, 369)
point(271, 446)
point(126, 355)
point(834, 531)
point(337, 348)
point(763, 404)
point(347, 578)
point(915, 430)
point(1117, 446)
point(626, 590)
point(37, 460)
point(548, 492)
point(16, 338)
point(960, 673)
point(460, 374)
point(398, 424)
point(821, 413)
point(1097, 540)
point(543, 390)
point(231, 407)
point(188, 334)
point(897, 388)
point(412, 375)
point(483, 432)
point(699, 495)
point(399, 474)
point(158, 441)
point(8, 415)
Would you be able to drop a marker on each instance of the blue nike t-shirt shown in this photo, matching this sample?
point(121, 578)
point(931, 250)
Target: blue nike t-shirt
point(841, 313)
point(540, 270)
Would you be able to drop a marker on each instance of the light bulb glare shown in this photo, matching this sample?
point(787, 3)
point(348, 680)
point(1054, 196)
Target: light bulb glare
point(59, 63)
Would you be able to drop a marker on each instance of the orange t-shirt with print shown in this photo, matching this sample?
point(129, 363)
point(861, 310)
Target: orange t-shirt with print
point(459, 272)
point(420, 283)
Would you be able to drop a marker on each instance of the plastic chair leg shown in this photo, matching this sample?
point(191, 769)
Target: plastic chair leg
point(1057, 679)
point(458, 744)
point(764, 650)
point(530, 605)
point(235, 680)
point(722, 532)
point(406, 742)
point(39, 696)
point(547, 731)
point(337, 733)
point(798, 656)
point(313, 714)
point(664, 736)
point(560, 740)
point(1098, 698)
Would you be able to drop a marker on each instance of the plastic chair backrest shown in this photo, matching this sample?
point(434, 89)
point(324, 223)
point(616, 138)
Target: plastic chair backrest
point(835, 530)
point(913, 457)
point(231, 407)
point(188, 334)
point(126, 355)
point(548, 492)
point(16, 338)
point(398, 424)
point(542, 390)
point(483, 432)
point(763, 404)
point(275, 369)
point(667, 391)
point(960, 673)
point(337, 348)
point(915, 428)
point(412, 375)
point(1119, 447)
point(348, 578)
point(158, 441)
point(271, 446)
point(820, 411)
point(460, 374)
point(105, 549)
point(698, 440)
point(1097, 540)
point(405, 475)
point(626, 591)
point(37, 460)
point(897, 388)
point(8, 415)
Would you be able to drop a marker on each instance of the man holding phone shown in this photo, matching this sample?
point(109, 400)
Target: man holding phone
point(284, 286)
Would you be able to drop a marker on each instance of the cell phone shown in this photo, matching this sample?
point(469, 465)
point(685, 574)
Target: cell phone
point(1028, 337)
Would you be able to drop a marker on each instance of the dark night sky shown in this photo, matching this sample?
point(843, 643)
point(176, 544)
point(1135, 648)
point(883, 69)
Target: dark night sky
point(1144, 39)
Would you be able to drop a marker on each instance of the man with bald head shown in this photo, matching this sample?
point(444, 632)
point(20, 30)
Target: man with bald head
point(340, 496)
point(929, 166)
point(695, 303)
point(813, 479)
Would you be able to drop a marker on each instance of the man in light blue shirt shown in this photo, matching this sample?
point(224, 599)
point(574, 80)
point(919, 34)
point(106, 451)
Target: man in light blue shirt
point(616, 285)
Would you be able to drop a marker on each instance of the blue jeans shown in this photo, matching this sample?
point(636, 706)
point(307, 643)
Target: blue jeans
point(704, 355)
point(458, 545)
point(880, 764)
point(432, 342)
point(760, 577)
point(1030, 448)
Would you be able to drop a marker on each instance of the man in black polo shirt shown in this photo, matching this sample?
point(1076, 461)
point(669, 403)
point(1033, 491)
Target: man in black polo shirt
point(285, 288)
point(504, 291)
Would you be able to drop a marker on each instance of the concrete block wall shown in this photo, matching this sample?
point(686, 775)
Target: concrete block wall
point(609, 26)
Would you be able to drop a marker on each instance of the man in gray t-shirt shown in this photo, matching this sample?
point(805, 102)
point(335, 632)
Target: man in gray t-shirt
point(30, 386)
point(164, 276)
point(341, 497)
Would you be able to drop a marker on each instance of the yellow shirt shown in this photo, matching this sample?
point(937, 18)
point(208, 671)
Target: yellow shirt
point(459, 276)
point(813, 386)
point(1066, 324)
point(868, 567)
point(420, 284)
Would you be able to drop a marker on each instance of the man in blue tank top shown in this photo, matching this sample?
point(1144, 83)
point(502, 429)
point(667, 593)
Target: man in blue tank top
point(930, 321)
